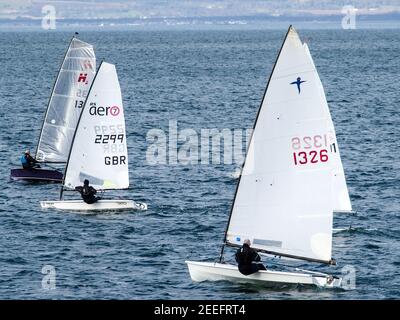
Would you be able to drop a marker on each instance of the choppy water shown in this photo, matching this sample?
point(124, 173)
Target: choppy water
point(202, 79)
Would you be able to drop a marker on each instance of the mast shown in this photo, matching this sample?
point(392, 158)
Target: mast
point(76, 129)
point(251, 138)
point(51, 96)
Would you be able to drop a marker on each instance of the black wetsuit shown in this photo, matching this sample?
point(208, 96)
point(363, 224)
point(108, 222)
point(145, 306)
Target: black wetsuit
point(248, 260)
point(88, 194)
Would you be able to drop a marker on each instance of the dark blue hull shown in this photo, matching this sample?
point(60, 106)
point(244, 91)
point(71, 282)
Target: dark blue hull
point(36, 175)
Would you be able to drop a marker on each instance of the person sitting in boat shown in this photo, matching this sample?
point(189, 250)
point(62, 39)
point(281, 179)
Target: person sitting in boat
point(248, 259)
point(87, 192)
point(28, 162)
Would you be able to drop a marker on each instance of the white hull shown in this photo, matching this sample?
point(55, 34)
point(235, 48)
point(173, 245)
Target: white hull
point(79, 205)
point(212, 271)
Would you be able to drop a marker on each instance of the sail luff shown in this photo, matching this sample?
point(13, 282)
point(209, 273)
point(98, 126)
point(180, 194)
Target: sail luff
point(51, 96)
point(252, 134)
point(67, 96)
point(76, 129)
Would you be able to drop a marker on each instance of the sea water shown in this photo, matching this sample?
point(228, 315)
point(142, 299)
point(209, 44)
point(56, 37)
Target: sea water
point(196, 80)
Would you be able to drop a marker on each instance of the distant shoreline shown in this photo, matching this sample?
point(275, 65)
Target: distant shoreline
point(388, 21)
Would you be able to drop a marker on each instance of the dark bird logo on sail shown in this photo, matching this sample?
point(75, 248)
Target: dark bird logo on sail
point(94, 110)
point(298, 82)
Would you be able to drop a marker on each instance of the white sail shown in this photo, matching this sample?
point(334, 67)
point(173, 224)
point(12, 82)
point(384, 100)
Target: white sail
point(66, 102)
point(341, 199)
point(99, 151)
point(283, 202)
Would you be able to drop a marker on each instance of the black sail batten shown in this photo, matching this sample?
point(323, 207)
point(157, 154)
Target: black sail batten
point(251, 138)
point(51, 95)
point(76, 129)
point(280, 254)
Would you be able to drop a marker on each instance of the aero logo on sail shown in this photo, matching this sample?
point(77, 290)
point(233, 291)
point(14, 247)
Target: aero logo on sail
point(101, 111)
point(114, 111)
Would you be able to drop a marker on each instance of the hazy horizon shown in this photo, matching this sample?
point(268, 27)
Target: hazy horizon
point(144, 9)
point(148, 14)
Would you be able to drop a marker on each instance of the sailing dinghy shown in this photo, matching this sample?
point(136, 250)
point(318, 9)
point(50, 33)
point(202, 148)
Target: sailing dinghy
point(99, 151)
point(64, 107)
point(291, 181)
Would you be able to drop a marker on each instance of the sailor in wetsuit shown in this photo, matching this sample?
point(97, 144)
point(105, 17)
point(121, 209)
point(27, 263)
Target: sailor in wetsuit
point(248, 259)
point(28, 162)
point(87, 192)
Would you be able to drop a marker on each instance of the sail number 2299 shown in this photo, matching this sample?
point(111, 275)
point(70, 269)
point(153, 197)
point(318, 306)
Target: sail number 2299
point(109, 138)
point(312, 149)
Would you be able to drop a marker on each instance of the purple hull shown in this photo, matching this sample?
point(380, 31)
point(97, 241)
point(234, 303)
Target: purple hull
point(37, 175)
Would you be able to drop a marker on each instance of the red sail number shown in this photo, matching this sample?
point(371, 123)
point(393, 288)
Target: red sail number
point(312, 156)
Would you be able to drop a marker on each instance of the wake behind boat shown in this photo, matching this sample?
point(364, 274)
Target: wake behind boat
point(292, 179)
point(63, 110)
point(99, 151)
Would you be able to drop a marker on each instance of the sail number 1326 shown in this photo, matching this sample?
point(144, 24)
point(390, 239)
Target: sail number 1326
point(311, 149)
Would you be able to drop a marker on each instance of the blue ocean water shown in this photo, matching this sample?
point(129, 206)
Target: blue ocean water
point(201, 79)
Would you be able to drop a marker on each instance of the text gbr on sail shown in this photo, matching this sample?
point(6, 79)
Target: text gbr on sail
point(114, 160)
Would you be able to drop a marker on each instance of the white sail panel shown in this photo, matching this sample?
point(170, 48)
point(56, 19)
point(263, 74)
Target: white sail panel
point(99, 150)
point(340, 194)
point(66, 102)
point(284, 198)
